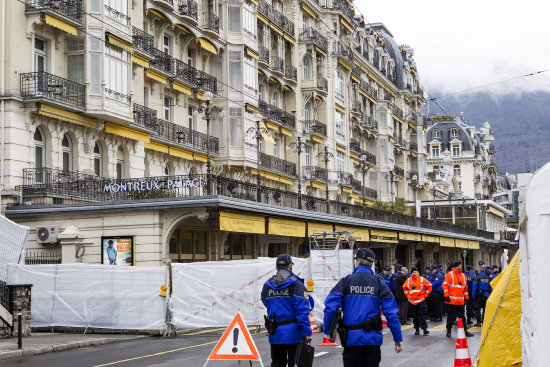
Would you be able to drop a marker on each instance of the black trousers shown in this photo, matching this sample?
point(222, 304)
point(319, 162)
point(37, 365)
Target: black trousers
point(454, 312)
point(470, 308)
point(362, 356)
point(282, 355)
point(419, 314)
point(403, 311)
point(435, 305)
point(481, 303)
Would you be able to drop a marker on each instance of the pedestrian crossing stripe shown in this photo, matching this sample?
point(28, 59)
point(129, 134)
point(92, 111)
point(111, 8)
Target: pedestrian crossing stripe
point(236, 343)
point(406, 327)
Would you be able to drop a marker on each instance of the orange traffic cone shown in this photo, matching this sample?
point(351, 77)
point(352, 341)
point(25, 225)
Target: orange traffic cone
point(384, 324)
point(328, 343)
point(314, 328)
point(462, 356)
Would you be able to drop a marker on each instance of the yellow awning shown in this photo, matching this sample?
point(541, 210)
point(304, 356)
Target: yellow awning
point(126, 132)
point(377, 235)
point(119, 42)
point(250, 52)
point(346, 24)
point(276, 29)
point(446, 242)
point(251, 108)
point(461, 243)
point(183, 28)
point(496, 212)
point(155, 76)
point(360, 234)
point(349, 190)
point(157, 13)
point(318, 139)
point(474, 245)
point(309, 11)
point(272, 126)
point(318, 228)
point(181, 153)
point(410, 236)
point(289, 39)
point(355, 78)
point(398, 119)
point(341, 149)
point(274, 80)
point(208, 46)
point(63, 115)
point(157, 147)
point(320, 51)
point(427, 238)
point(286, 132)
point(182, 88)
point(54, 22)
point(286, 227)
point(265, 133)
point(318, 185)
point(140, 61)
point(238, 222)
point(274, 177)
point(339, 108)
point(344, 63)
point(262, 18)
point(200, 95)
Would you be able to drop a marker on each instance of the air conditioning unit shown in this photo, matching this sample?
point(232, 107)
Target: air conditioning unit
point(47, 234)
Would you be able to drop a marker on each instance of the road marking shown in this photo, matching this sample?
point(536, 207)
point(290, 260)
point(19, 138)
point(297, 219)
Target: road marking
point(441, 327)
point(475, 329)
point(320, 354)
point(204, 331)
point(406, 327)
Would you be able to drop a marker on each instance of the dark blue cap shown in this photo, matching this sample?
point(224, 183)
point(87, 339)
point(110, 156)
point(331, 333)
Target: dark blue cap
point(481, 262)
point(387, 268)
point(398, 266)
point(427, 267)
point(468, 267)
point(494, 266)
point(365, 254)
point(284, 259)
point(434, 267)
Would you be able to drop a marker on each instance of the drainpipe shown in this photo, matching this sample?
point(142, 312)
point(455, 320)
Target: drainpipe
point(2, 92)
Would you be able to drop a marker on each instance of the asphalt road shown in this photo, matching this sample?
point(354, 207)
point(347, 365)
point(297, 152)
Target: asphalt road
point(192, 350)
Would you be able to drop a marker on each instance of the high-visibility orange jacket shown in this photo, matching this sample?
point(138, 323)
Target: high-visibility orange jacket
point(455, 287)
point(417, 290)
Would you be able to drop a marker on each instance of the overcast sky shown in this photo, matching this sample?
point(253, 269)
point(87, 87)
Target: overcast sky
point(464, 44)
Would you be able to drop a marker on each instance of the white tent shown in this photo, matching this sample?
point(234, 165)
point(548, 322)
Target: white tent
point(13, 239)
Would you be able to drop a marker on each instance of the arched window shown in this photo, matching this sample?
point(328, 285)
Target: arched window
point(307, 112)
point(454, 133)
point(67, 151)
point(120, 165)
point(275, 101)
point(307, 67)
point(39, 150)
point(436, 134)
point(98, 160)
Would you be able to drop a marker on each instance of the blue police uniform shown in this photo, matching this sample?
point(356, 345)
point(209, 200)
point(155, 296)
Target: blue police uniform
point(435, 299)
point(387, 279)
point(481, 291)
point(470, 305)
point(288, 304)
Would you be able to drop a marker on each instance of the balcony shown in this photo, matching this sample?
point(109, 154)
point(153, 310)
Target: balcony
point(413, 147)
point(265, 9)
point(315, 127)
point(185, 72)
point(173, 133)
point(276, 114)
point(161, 61)
point(340, 49)
point(288, 27)
point(315, 173)
point(264, 54)
point(207, 82)
point(42, 86)
point(211, 21)
point(278, 64)
point(398, 112)
point(142, 41)
point(399, 171)
point(276, 17)
point(69, 10)
point(322, 84)
point(345, 179)
point(356, 107)
point(291, 73)
point(288, 120)
point(278, 165)
point(145, 117)
point(356, 70)
point(342, 6)
point(355, 146)
point(367, 88)
point(412, 174)
point(370, 122)
point(188, 8)
point(312, 35)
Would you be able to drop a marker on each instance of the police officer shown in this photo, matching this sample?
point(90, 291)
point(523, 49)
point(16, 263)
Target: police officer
point(495, 271)
point(392, 279)
point(481, 291)
point(470, 305)
point(288, 308)
point(387, 277)
point(435, 299)
point(362, 295)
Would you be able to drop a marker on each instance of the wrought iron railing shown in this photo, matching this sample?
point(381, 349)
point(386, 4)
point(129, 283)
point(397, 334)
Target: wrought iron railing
point(185, 72)
point(312, 35)
point(276, 17)
point(343, 7)
point(322, 84)
point(211, 21)
point(277, 164)
point(207, 81)
point(171, 132)
point(341, 49)
point(41, 258)
point(145, 117)
point(315, 127)
point(142, 41)
point(118, 15)
point(345, 179)
point(264, 54)
point(315, 173)
point(288, 27)
point(398, 112)
point(356, 106)
point(52, 87)
point(276, 114)
point(288, 120)
point(291, 73)
point(47, 176)
point(70, 8)
point(4, 295)
point(265, 9)
point(277, 64)
point(356, 70)
point(370, 122)
point(189, 8)
point(162, 61)
point(367, 88)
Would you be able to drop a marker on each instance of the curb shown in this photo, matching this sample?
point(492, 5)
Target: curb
point(62, 347)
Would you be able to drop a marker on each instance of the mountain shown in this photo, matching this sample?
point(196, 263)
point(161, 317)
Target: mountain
point(520, 124)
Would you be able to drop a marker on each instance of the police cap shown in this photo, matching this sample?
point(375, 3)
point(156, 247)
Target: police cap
point(284, 259)
point(481, 262)
point(387, 268)
point(468, 267)
point(434, 267)
point(365, 254)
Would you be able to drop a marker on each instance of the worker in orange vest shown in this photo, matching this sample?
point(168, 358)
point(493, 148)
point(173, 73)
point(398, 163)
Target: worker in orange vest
point(417, 289)
point(455, 292)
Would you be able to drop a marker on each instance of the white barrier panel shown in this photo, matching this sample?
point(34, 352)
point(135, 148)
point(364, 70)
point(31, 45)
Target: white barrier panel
point(208, 294)
point(13, 238)
point(95, 296)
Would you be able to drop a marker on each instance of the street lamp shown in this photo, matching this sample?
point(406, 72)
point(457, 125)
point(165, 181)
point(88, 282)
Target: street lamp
point(391, 175)
point(258, 131)
point(414, 180)
point(298, 145)
point(364, 169)
point(326, 155)
point(208, 113)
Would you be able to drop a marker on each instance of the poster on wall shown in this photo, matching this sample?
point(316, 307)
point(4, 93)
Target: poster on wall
point(117, 250)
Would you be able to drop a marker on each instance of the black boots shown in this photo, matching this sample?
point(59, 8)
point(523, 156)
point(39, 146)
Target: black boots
point(468, 334)
point(478, 324)
point(426, 332)
point(448, 333)
point(417, 332)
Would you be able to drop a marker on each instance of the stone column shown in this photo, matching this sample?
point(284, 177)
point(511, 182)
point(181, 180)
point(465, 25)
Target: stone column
point(20, 297)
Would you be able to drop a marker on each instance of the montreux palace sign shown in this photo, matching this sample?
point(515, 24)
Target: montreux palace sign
point(155, 185)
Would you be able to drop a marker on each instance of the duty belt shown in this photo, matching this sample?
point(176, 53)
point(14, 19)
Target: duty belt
point(285, 322)
point(373, 324)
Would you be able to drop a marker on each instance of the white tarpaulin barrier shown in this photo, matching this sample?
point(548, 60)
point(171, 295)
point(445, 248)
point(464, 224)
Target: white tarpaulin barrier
point(208, 294)
point(535, 257)
point(13, 238)
point(94, 296)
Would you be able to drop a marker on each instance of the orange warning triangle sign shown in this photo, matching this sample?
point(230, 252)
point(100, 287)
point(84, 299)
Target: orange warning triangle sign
point(236, 343)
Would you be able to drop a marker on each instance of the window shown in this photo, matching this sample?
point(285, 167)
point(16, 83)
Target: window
point(307, 112)
point(67, 152)
point(217, 129)
point(39, 150)
point(276, 148)
point(116, 69)
point(435, 150)
point(120, 8)
point(340, 125)
point(235, 125)
point(75, 44)
point(454, 133)
point(94, 6)
point(250, 75)
point(250, 20)
point(238, 246)
point(166, 44)
point(275, 99)
point(307, 153)
point(339, 87)
point(307, 67)
point(234, 15)
point(220, 14)
point(191, 117)
point(235, 62)
point(95, 73)
point(217, 71)
point(120, 166)
point(456, 150)
point(261, 92)
point(436, 134)
point(456, 170)
point(75, 68)
point(39, 54)
point(167, 108)
point(187, 246)
point(340, 162)
point(98, 160)
point(190, 56)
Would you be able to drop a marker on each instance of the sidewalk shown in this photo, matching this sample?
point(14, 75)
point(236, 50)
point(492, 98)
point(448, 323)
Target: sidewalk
point(46, 342)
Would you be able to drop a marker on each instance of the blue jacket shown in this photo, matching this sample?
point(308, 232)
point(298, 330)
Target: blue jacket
point(483, 284)
point(437, 284)
point(362, 295)
point(285, 297)
point(471, 276)
point(388, 280)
